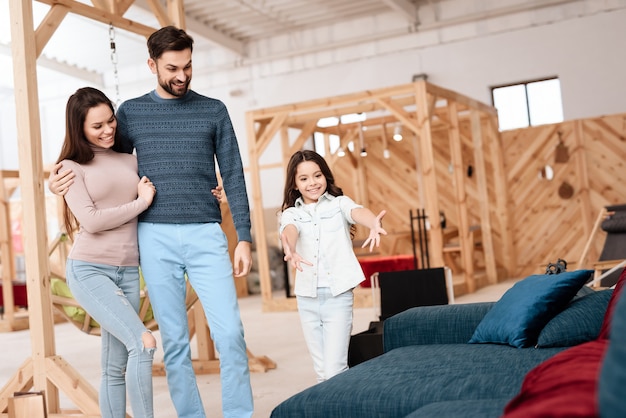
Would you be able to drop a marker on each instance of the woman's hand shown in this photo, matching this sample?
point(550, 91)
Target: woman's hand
point(217, 192)
point(146, 190)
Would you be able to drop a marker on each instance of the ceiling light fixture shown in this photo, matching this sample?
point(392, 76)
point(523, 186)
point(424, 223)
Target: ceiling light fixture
point(362, 140)
point(397, 133)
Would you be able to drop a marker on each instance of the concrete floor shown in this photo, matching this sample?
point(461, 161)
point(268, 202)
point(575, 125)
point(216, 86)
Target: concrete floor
point(276, 335)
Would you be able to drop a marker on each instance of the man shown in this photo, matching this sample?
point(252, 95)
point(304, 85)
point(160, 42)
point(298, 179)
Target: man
point(177, 134)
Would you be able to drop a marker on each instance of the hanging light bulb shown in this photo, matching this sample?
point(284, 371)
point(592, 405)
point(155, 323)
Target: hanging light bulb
point(341, 152)
point(362, 141)
point(397, 133)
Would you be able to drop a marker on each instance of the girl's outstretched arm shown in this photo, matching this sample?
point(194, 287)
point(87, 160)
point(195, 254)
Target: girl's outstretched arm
point(289, 237)
point(366, 217)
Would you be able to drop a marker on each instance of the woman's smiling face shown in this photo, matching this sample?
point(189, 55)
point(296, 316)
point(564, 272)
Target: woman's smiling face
point(100, 125)
point(310, 181)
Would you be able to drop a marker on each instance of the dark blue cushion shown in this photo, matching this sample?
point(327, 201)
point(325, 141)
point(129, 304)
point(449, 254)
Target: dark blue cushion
point(578, 323)
point(518, 317)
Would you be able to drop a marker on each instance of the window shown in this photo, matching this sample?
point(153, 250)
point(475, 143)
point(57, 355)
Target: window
point(530, 103)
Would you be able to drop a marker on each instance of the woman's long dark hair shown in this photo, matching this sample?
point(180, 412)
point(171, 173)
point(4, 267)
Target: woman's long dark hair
point(76, 147)
point(291, 191)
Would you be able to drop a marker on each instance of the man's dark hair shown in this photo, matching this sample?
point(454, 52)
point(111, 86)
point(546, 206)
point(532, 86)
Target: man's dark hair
point(168, 38)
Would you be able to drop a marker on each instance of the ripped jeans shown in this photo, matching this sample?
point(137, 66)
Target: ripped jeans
point(111, 296)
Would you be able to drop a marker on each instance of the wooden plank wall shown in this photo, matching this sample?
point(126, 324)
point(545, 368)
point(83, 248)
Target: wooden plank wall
point(392, 184)
point(546, 226)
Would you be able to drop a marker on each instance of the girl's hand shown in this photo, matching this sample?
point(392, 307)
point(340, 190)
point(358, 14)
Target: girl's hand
point(146, 190)
point(375, 232)
point(294, 259)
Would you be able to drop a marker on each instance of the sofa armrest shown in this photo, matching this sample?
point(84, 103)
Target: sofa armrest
point(441, 324)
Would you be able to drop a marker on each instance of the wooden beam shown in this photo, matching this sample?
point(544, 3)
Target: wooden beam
point(262, 141)
point(427, 161)
point(102, 16)
point(466, 241)
point(176, 12)
point(258, 222)
point(49, 25)
point(305, 135)
point(583, 171)
point(7, 268)
point(402, 115)
point(159, 12)
point(494, 145)
point(459, 98)
point(33, 204)
point(483, 196)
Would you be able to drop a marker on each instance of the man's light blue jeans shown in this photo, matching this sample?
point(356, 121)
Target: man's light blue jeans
point(110, 294)
point(327, 324)
point(167, 252)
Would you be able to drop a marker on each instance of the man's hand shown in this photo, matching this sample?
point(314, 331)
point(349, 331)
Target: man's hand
point(242, 260)
point(59, 183)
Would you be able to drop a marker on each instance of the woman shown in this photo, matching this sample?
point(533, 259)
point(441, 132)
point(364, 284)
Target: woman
point(102, 267)
point(316, 235)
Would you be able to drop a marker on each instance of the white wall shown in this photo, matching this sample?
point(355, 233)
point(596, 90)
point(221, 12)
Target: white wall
point(586, 54)
point(582, 44)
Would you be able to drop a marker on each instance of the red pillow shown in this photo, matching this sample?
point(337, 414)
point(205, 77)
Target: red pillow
point(606, 324)
point(564, 386)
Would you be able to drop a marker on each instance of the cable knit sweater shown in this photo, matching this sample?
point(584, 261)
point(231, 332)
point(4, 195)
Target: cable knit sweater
point(104, 200)
point(177, 142)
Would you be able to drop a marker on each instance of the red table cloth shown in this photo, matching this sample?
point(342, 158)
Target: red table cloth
point(375, 264)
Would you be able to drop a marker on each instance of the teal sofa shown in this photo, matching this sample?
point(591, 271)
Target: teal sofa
point(429, 369)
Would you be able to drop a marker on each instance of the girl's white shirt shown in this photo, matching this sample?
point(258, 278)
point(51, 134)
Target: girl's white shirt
point(324, 240)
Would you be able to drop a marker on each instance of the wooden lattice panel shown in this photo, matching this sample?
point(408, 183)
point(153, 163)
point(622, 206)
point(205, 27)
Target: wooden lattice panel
point(546, 226)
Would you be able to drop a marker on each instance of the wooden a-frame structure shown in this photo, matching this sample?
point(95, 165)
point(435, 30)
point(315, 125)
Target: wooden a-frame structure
point(445, 129)
point(45, 370)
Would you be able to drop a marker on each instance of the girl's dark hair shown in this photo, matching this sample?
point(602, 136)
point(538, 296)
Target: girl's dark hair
point(168, 38)
point(76, 147)
point(291, 191)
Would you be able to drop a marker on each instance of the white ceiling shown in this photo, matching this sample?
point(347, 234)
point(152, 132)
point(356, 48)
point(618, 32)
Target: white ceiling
point(249, 31)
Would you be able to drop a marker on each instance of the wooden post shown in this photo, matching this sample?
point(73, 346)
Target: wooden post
point(431, 200)
point(466, 242)
point(483, 195)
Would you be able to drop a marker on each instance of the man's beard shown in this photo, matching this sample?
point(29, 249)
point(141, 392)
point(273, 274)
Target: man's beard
point(177, 92)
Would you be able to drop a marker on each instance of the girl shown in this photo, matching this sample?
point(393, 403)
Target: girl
point(102, 267)
point(315, 231)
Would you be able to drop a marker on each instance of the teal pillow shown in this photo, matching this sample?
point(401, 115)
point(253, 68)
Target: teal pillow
point(520, 314)
point(578, 323)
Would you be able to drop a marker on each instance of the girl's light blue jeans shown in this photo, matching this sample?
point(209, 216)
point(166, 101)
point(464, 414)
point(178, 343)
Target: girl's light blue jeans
point(327, 324)
point(167, 252)
point(110, 294)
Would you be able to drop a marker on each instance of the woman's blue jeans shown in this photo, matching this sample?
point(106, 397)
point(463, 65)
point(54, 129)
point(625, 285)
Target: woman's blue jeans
point(110, 294)
point(167, 252)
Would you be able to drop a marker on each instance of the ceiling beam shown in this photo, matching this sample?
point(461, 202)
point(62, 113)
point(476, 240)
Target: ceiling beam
point(67, 69)
point(103, 16)
point(405, 8)
point(197, 27)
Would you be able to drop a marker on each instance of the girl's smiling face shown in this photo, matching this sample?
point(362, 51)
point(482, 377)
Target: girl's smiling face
point(310, 181)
